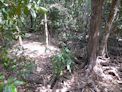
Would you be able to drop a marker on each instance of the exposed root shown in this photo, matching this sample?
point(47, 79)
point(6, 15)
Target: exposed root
point(105, 74)
point(54, 82)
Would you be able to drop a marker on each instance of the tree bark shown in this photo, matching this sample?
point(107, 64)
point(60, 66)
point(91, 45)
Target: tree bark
point(19, 36)
point(112, 16)
point(31, 23)
point(46, 30)
point(96, 6)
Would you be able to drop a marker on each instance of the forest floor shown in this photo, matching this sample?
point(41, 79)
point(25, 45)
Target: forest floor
point(41, 77)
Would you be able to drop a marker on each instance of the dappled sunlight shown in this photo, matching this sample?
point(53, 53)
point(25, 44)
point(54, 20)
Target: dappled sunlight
point(60, 46)
point(35, 49)
point(43, 74)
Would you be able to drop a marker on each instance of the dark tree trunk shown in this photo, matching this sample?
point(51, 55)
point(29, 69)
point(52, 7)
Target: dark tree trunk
point(31, 23)
point(112, 16)
point(96, 6)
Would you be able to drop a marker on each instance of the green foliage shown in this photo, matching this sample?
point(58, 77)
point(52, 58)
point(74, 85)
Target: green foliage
point(4, 57)
point(23, 66)
point(14, 13)
point(1, 82)
point(68, 15)
point(62, 62)
point(9, 85)
point(119, 21)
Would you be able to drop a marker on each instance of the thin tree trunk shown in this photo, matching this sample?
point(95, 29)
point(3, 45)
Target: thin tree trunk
point(19, 36)
point(46, 30)
point(1, 39)
point(31, 24)
point(95, 22)
point(112, 16)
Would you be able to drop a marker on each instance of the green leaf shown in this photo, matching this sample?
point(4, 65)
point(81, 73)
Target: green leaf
point(2, 77)
point(29, 6)
point(1, 85)
point(69, 65)
point(18, 83)
point(33, 13)
point(4, 13)
point(13, 88)
point(18, 10)
point(1, 4)
point(10, 88)
point(7, 88)
point(26, 1)
point(11, 80)
point(42, 10)
point(26, 11)
point(69, 68)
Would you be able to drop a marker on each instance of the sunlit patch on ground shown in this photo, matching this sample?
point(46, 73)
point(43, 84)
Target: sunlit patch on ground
point(35, 49)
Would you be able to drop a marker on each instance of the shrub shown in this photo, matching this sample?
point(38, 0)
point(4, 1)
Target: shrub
point(9, 85)
point(62, 61)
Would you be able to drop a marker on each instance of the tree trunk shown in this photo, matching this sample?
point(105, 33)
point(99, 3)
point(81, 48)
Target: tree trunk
point(31, 23)
point(46, 30)
point(112, 16)
point(96, 6)
point(19, 36)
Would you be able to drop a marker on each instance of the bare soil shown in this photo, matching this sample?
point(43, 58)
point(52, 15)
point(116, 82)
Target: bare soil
point(107, 76)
